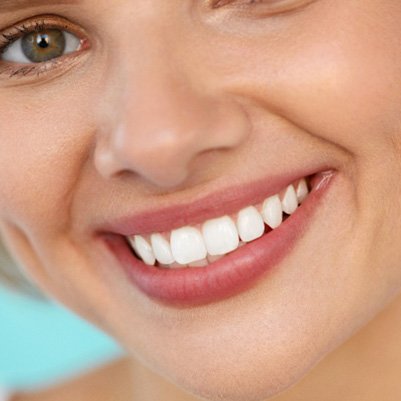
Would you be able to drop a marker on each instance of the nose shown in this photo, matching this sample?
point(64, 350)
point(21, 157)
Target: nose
point(164, 125)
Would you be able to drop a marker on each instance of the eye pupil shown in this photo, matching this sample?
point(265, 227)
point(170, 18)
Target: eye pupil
point(43, 41)
point(42, 46)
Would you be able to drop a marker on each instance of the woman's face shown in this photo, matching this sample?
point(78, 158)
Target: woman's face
point(183, 103)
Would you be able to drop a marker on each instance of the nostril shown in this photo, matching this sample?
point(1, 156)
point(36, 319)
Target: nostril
point(164, 148)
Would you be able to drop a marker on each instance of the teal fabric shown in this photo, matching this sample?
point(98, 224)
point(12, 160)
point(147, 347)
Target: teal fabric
point(41, 342)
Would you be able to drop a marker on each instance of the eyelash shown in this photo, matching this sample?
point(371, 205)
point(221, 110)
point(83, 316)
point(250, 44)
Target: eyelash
point(222, 3)
point(38, 24)
point(262, 7)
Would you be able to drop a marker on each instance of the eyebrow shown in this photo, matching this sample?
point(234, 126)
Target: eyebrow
point(13, 5)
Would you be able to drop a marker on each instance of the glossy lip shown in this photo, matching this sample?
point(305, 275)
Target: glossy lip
point(219, 203)
point(230, 275)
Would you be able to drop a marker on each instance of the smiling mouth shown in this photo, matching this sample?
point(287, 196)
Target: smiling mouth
point(202, 244)
point(192, 254)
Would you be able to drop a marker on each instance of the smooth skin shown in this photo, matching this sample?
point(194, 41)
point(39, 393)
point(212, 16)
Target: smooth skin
point(174, 99)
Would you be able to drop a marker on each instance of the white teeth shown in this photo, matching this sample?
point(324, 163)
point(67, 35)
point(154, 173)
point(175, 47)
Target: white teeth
point(161, 249)
point(289, 200)
point(250, 224)
point(198, 247)
point(187, 245)
point(302, 190)
point(272, 211)
point(220, 235)
point(143, 248)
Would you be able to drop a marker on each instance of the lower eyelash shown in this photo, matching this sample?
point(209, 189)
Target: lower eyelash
point(21, 71)
point(60, 64)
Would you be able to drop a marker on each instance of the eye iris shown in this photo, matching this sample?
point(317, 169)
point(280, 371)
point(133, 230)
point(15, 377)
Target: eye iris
point(44, 45)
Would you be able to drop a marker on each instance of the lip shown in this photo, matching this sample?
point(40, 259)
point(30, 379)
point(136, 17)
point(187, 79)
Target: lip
point(230, 275)
point(221, 202)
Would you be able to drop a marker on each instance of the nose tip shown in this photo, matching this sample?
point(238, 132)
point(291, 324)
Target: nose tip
point(161, 147)
point(162, 120)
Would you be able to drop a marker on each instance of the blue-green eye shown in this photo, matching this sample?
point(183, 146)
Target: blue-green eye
point(41, 46)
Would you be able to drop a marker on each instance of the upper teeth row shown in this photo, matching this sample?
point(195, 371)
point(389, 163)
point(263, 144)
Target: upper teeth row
point(199, 245)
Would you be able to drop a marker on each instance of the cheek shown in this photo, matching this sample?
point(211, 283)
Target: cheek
point(44, 154)
point(353, 96)
point(47, 138)
point(43, 149)
point(330, 74)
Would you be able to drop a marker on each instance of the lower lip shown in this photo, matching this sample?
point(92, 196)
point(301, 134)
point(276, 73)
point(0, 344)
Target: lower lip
point(230, 275)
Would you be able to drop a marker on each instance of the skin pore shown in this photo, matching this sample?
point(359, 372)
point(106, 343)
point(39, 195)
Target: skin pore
point(170, 100)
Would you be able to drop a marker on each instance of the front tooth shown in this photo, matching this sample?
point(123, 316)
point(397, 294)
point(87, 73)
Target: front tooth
point(187, 245)
point(250, 224)
point(302, 190)
point(289, 200)
point(272, 211)
point(144, 250)
point(220, 235)
point(161, 249)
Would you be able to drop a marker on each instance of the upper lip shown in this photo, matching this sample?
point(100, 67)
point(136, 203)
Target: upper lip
point(224, 201)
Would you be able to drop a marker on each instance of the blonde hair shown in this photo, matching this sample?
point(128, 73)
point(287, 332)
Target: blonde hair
point(13, 278)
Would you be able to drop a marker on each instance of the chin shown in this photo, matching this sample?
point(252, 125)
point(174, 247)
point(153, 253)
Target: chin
point(260, 382)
